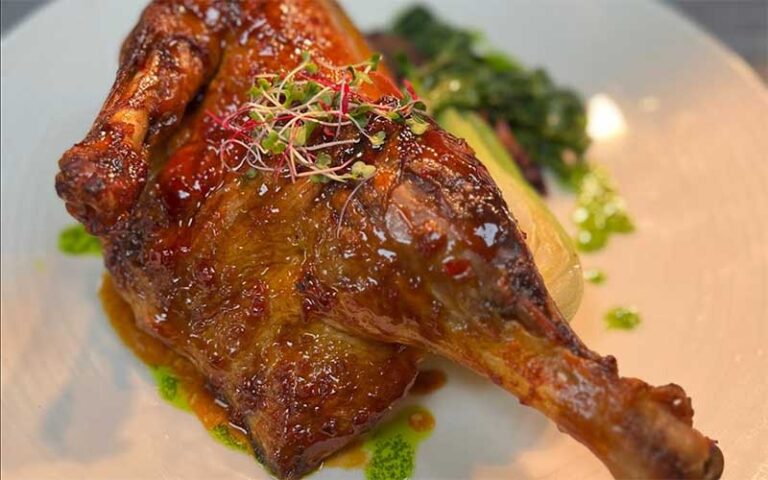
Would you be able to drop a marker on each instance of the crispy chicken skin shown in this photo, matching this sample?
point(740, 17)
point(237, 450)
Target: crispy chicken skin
point(307, 305)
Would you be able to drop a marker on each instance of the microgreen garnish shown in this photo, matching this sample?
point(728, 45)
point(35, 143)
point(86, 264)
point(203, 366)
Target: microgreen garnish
point(293, 119)
point(417, 125)
point(362, 171)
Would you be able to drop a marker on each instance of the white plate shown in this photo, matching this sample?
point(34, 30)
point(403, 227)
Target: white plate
point(691, 158)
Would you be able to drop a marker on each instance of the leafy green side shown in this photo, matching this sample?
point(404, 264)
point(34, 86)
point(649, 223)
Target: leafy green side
point(549, 121)
point(74, 240)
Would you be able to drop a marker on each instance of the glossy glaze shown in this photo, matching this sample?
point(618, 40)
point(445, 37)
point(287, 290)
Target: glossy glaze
point(428, 381)
point(191, 390)
point(296, 300)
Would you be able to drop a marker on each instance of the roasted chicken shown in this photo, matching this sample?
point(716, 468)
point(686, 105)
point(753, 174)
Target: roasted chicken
point(307, 304)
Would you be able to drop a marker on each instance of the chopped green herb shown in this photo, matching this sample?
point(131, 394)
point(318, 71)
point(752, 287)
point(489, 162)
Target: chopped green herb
point(622, 318)
point(594, 276)
point(75, 240)
point(393, 459)
point(393, 447)
point(39, 265)
point(222, 433)
point(601, 212)
point(169, 388)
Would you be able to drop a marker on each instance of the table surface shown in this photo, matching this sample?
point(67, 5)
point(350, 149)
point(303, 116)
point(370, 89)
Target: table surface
point(740, 24)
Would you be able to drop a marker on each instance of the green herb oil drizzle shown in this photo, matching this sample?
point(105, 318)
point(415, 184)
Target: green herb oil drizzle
point(222, 433)
point(169, 387)
point(595, 276)
point(171, 390)
point(600, 211)
point(392, 447)
point(622, 318)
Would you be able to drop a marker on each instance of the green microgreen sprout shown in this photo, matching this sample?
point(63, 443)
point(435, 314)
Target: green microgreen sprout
point(292, 120)
point(417, 125)
point(362, 171)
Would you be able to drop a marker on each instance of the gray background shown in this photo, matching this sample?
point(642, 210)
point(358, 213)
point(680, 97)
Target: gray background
point(740, 24)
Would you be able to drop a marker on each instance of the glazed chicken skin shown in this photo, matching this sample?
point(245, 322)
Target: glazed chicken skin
point(307, 305)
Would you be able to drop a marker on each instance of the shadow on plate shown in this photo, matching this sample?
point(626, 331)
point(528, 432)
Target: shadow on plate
point(478, 426)
point(66, 391)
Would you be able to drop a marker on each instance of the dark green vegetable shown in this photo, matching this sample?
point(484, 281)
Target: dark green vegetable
point(75, 240)
point(549, 121)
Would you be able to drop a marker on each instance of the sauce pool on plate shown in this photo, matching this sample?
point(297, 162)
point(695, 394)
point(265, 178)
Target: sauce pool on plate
point(178, 381)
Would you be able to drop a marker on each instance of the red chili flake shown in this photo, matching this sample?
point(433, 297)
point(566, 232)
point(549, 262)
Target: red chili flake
point(456, 267)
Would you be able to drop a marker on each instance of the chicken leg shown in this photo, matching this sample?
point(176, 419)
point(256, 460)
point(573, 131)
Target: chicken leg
point(306, 304)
